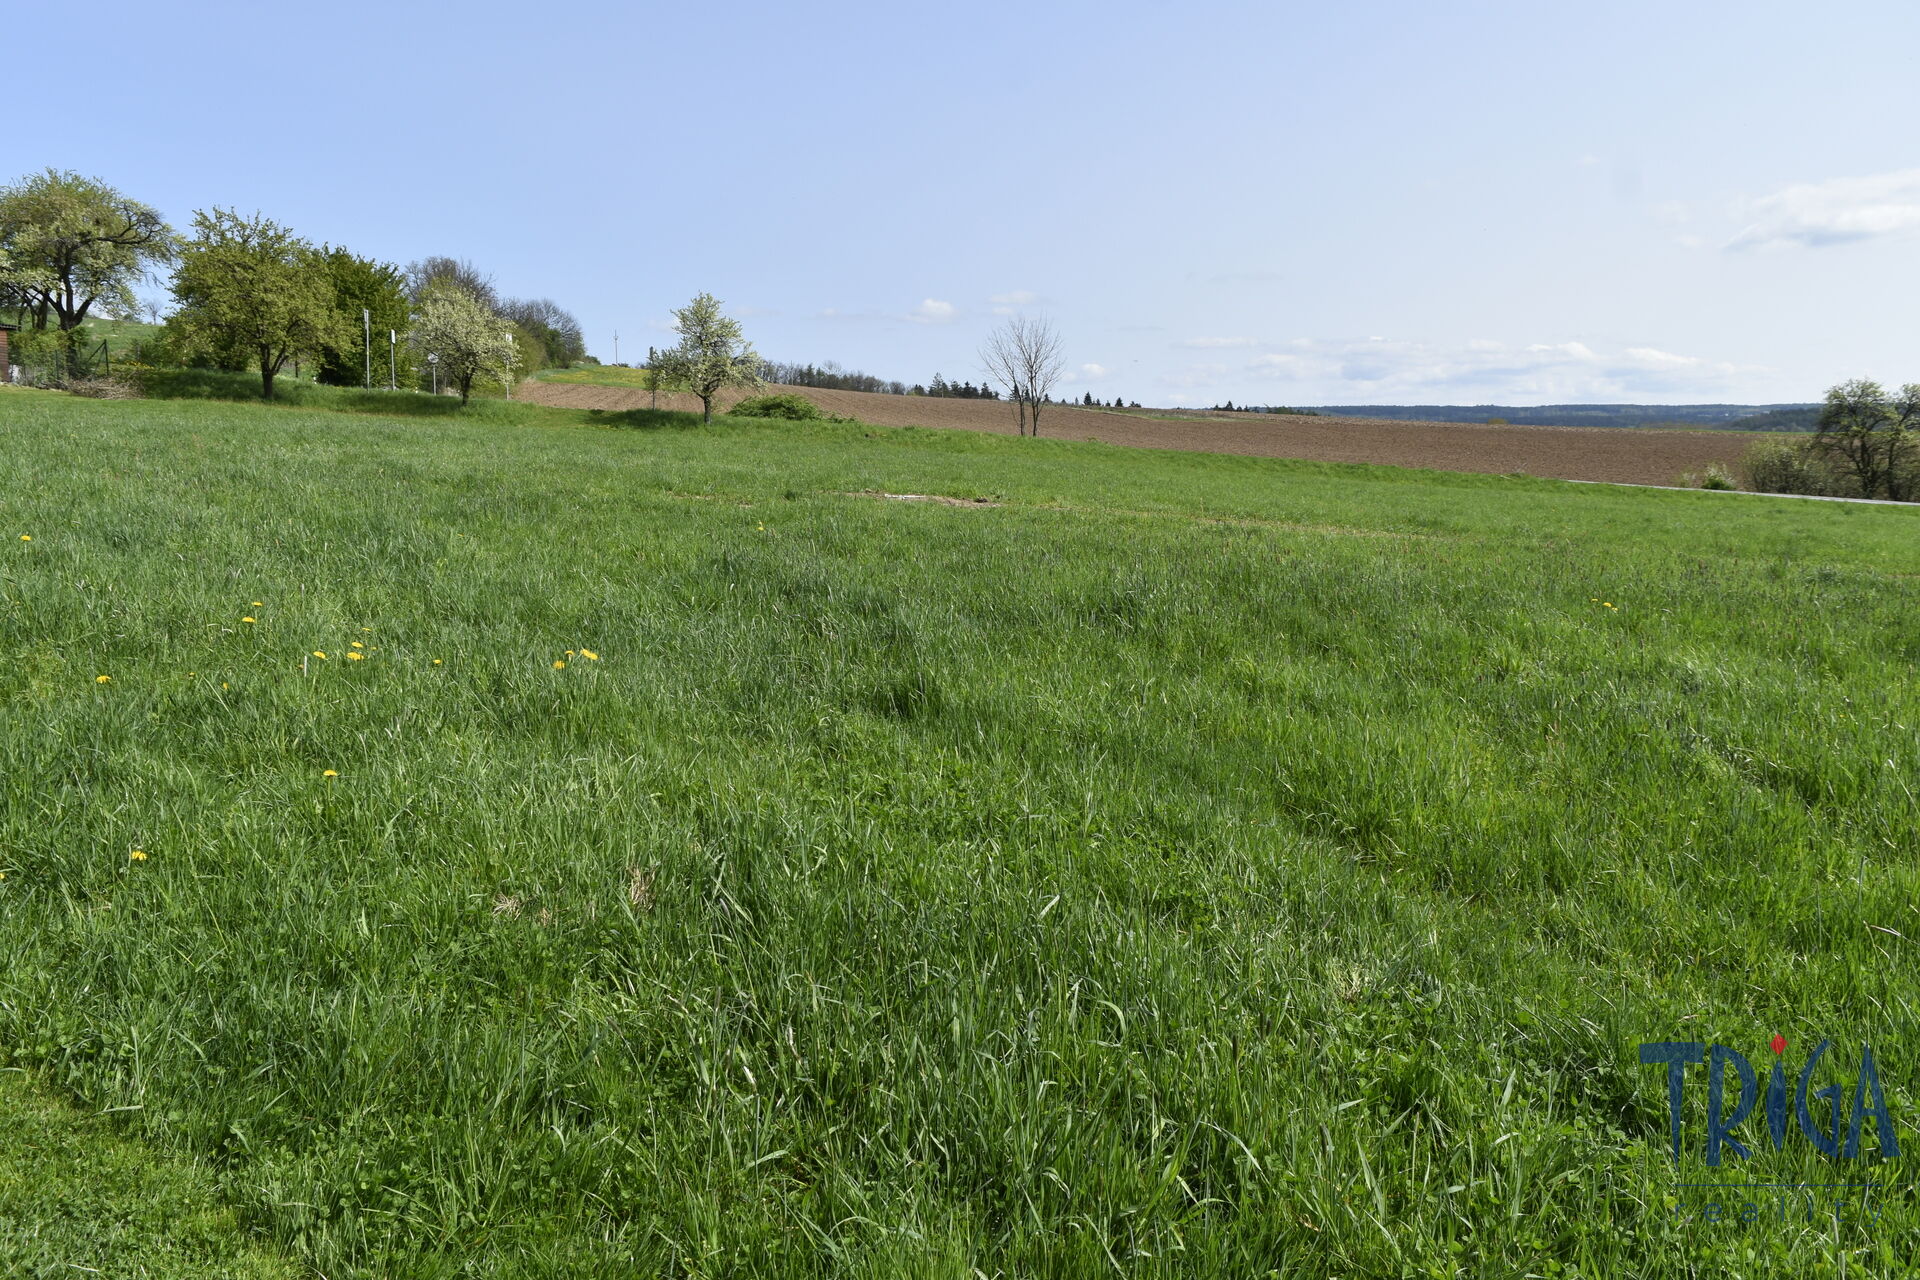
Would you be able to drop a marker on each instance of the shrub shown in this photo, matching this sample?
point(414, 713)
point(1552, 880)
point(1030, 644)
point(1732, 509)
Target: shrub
point(791, 407)
point(1791, 466)
point(1714, 477)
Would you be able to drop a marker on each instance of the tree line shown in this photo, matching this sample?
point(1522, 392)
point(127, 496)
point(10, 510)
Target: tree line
point(1865, 444)
point(829, 376)
point(250, 293)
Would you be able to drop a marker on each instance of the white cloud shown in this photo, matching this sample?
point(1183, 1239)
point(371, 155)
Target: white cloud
point(1480, 370)
point(1652, 358)
point(1196, 377)
point(1815, 215)
point(1208, 343)
point(1087, 373)
point(933, 311)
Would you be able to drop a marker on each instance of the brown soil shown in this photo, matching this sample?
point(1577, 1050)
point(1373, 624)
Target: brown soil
point(1618, 454)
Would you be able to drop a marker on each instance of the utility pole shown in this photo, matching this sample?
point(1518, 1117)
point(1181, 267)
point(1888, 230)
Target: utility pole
point(366, 321)
point(393, 361)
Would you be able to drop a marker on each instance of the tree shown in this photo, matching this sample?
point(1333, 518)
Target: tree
point(711, 356)
point(1023, 356)
point(361, 284)
point(68, 243)
point(545, 322)
point(425, 276)
point(467, 336)
point(1871, 435)
point(249, 288)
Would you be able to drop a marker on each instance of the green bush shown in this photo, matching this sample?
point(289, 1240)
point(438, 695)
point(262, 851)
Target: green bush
point(789, 406)
point(1791, 466)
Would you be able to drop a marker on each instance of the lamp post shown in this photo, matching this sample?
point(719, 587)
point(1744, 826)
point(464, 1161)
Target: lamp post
point(393, 361)
point(433, 363)
point(366, 321)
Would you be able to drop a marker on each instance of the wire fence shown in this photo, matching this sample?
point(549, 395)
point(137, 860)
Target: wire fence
point(50, 364)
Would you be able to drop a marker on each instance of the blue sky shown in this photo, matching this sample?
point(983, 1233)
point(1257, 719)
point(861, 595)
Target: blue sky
point(1269, 203)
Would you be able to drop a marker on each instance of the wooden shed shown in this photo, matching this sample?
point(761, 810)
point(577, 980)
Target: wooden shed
point(6, 360)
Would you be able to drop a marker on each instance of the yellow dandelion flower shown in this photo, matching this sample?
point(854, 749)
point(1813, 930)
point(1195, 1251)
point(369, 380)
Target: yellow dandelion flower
point(436, 662)
point(557, 664)
point(246, 619)
point(329, 773)
point(223, 684)
point(358, 645)
point(569, 653)
point(103, 679)
point(320, 655)
point(355, 657)
point(590, 655)
point(366, 628)
point(26, 537)
point(258, 605)
point(3, 875)
point(136, 856)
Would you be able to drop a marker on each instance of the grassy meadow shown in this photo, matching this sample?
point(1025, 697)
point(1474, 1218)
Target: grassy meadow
point(599, 375)
point(591, 845)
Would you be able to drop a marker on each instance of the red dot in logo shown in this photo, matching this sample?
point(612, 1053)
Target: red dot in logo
point(1778, 1044)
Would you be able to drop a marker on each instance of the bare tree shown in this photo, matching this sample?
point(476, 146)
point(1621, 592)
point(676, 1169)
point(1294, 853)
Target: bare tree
point(430, 273)
point(1023, 356)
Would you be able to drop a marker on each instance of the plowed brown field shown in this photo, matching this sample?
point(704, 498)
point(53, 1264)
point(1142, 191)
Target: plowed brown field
point(1621, 455)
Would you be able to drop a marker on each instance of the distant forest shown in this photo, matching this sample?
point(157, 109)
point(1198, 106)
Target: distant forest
point(829, 376)
point(1691, 417)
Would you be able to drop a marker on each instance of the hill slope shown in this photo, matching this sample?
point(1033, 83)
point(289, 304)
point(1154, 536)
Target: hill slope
point(1641, 457)
point(1719, 416)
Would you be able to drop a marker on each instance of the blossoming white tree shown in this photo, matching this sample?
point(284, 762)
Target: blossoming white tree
point(467, 336)
point(712, 354)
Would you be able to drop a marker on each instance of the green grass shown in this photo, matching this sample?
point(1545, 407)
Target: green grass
point(1191, 866)
point(598, 375)
point(76, 1197)
point(120, 336)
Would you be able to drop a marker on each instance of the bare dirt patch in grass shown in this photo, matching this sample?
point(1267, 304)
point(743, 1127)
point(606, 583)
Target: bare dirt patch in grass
point(942, 499)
